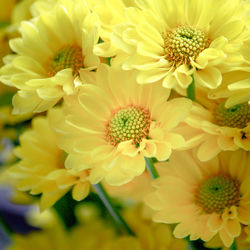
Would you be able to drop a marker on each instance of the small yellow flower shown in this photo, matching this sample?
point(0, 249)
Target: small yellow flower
point(172, 40)
point(47, 70)
point(149, 235)
point(218, 128)
point(204, 198)
point(41, 168)
point(116, 123)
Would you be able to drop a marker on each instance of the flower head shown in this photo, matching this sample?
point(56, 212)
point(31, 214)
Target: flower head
point(172, 40)
point(115, 123)
point(205, 199)
point(41, 166)
point(218, 128)
point(47, 70)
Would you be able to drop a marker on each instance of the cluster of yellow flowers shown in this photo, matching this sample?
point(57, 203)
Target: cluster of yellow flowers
point(53, 236)
point(115, 86)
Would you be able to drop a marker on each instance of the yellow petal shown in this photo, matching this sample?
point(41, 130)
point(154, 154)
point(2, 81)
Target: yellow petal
point(209, 77)
point(215, 223)
point(48, 200)
point(80, 191)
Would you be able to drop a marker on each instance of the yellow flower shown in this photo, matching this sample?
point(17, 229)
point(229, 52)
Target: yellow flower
point(84, 235)
point(217, 128)
point(47, 70)
point(41, 168)
point(51, 236)
point(204, 198)
point(172, 40)
point(116, 123)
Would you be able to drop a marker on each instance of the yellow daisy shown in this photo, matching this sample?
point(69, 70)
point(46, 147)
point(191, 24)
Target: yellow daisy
point(116, 123)
point(204, 198)
point(41, 166)
point(172, 40)
point(47, 70)
point(217, 128)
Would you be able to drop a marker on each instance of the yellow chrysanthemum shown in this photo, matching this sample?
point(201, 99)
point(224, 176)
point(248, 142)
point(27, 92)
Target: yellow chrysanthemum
point(204, 198)
point(47, 70)
point(172, 40)
point(41, 168)
point(216, 128)
point(51, 236)
point(116, 123)
point(149, 235)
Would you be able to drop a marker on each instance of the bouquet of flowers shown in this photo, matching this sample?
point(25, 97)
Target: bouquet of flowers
point(127, 122)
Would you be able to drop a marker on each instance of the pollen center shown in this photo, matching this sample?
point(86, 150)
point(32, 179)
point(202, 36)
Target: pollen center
point(67, 57)
point(218, 193)
point(130, 123)
point(183, 43)
point(237, 116)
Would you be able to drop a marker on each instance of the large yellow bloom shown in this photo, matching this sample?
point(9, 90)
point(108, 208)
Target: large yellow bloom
point(204, 198)
point(117, 123)
point(218, 128)
point(172, 40)
point(47, 70)
point(41, 168)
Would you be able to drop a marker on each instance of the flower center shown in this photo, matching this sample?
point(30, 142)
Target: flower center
point(235, 117)
point(67, 57)
point(184, 43)
point(130, 123)
point(218, 193)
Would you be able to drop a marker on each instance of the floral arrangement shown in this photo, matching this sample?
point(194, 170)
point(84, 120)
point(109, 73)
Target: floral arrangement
point(127, 122)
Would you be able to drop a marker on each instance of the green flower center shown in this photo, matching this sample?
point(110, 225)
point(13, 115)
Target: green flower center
point(218, 193)
point(237, 116)
point(130, 123)
point(184, 43)
point(67, 57)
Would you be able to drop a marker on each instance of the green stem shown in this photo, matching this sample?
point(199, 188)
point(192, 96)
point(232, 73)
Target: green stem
point(233, 246)
point(191, 90)
point(110, 207)
point(151, 168)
